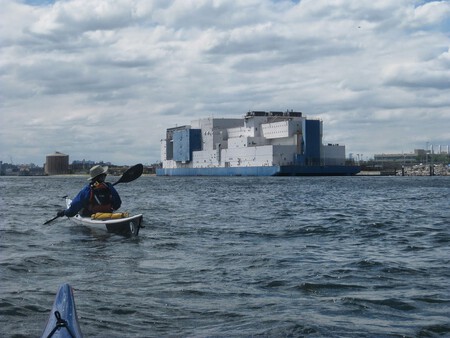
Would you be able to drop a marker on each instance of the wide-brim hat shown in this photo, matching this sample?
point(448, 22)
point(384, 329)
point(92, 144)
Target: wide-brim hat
point(96, 171)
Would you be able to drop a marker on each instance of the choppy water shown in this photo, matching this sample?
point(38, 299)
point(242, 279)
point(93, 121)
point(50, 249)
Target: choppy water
point(319, 257)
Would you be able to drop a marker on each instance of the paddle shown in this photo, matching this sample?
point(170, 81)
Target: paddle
point(51, 220)
point(129, 175)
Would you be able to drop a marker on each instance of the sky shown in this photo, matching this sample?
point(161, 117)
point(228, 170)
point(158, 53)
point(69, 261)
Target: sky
point(102, 80)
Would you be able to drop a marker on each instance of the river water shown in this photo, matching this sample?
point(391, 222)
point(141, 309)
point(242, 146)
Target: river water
point(234, 256)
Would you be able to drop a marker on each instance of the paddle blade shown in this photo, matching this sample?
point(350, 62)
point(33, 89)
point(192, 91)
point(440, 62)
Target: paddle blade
point(131, 174)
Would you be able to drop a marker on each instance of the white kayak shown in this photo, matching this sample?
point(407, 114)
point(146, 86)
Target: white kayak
point(129, 225)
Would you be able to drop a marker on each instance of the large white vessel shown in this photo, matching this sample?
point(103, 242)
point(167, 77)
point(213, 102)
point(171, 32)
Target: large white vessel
point(260, 144)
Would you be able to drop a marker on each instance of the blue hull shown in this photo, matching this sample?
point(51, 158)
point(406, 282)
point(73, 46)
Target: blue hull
point(63, 319)
point(292, 170)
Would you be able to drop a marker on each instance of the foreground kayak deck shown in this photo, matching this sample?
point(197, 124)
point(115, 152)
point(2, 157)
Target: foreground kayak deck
point(63, 319)
point(126, 226)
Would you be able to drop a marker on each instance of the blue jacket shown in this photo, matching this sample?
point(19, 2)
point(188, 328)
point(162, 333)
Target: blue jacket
point(82, 200)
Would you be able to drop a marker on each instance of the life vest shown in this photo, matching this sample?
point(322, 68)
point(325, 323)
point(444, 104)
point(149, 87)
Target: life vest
point(100, 199)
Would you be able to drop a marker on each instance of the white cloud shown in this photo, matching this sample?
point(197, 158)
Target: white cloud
point(102, 80)
point(429, 14)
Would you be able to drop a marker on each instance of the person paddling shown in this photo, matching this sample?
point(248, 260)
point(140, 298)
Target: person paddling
point(96, 196)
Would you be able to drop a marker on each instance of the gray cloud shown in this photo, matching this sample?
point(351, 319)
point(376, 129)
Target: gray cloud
point(87, 76)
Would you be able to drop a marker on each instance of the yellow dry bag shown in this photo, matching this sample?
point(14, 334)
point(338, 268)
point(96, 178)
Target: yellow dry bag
point(109, 215)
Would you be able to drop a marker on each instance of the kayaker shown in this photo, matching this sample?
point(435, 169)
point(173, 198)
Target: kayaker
point(97, 196)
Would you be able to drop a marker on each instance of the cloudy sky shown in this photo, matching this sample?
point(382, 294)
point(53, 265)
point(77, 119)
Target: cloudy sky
point(102, 80)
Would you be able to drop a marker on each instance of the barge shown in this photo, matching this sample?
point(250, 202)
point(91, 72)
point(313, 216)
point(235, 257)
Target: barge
point(260, 144)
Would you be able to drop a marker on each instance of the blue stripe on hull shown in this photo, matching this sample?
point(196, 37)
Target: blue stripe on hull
point(262, 171)
point(245, 171)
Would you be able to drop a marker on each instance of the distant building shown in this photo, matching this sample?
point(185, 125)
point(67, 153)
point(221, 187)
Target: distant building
point(260, 144)
point(57, 164)
point(82, 166)
point(418, 156)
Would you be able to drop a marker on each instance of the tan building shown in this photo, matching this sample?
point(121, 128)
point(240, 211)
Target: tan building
point(57, 164)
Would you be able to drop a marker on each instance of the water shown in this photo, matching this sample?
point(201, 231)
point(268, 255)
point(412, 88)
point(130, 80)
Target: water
point(269, 257)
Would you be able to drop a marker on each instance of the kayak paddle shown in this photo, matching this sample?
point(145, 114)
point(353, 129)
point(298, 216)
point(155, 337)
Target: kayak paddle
point(129, 175)
point(51, 220)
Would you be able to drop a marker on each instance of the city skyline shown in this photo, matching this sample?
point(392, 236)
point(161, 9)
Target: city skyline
point(439, 150)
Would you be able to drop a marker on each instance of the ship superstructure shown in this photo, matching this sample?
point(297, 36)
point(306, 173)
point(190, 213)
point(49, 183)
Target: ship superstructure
point(260, 144)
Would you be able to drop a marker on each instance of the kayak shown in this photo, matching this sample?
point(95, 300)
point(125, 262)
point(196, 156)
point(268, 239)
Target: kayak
point(63, 319)
point(120, 223)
